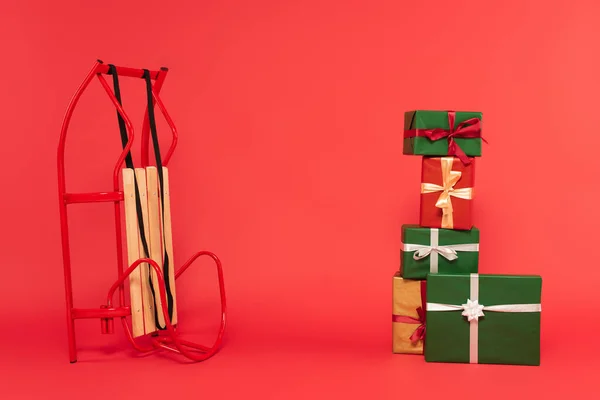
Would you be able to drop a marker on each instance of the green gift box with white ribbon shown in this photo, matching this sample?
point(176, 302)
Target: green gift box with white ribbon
point(432, 250)
point(483, 319)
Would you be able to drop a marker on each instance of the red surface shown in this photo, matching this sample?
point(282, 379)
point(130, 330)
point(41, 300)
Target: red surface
point(462, 209)
point(289, 168)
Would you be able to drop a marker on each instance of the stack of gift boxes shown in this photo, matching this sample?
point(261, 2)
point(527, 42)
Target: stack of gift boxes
point(442, 307)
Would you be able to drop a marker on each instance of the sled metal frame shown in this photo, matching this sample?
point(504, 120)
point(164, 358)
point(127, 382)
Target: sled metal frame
point(168, 338)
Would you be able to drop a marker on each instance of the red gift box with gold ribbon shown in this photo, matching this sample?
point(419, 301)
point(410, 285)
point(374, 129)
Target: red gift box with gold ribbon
point(447, 193)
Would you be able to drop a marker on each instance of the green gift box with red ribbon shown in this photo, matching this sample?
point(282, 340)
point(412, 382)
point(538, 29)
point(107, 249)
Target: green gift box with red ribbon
point(483, 319)
point(443, 133)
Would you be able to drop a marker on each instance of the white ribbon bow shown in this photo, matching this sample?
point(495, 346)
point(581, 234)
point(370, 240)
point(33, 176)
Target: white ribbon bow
point(449, 179)
point(433, 249)
point(446, 251)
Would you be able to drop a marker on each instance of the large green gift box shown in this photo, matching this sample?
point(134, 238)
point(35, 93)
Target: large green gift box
point(485, 319)
point(427, 132)
point(432, 250)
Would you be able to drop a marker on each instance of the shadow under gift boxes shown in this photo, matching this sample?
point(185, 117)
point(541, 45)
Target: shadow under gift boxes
point(447, 192)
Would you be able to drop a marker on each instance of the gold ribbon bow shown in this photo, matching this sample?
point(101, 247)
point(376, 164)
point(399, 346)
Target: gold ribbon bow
point(449, 179)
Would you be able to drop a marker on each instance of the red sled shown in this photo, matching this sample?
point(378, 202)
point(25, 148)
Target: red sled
point(144, 196)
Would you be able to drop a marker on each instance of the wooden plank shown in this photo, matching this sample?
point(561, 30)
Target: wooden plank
point(155, 237)
point(133, 253)
point(168, 240)
point(148, 299)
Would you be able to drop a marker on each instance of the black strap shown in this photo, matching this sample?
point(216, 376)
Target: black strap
point(129, 163)
point(159, 167)
point(112, 70)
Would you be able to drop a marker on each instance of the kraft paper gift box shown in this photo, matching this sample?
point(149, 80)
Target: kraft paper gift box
point(408, 315)
point(442, 133)
point(485, 319)
point(446, 193)
point(433, 250)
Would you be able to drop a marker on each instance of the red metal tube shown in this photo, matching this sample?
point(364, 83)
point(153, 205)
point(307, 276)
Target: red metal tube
point(110, 326)
point(116, 171)
point(129, 127)
point(162, 108)
point(198, 347)
point(107, 322)
point(99, 197)
point(180, 345)
point(102, 312)
point(97, 68)
point(63, 213)
point(217, 344)
point(126, 71)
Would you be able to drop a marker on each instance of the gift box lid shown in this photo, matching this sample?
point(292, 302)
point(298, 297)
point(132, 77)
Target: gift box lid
point(493, 289)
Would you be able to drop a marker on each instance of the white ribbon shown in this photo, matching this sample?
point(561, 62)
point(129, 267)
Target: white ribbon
point(447, 251)
point(474, 303)
point(473, 311)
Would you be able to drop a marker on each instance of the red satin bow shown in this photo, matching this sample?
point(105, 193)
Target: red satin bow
point(419, 333)
point(470, 128)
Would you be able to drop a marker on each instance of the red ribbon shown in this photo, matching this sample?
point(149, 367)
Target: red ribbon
point(470, 128)
point(419, 333)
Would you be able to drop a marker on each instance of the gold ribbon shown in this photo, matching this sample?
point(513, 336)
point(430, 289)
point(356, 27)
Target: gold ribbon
point(449, 179)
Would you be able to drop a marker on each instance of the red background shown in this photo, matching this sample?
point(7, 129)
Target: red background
point(289, 167)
